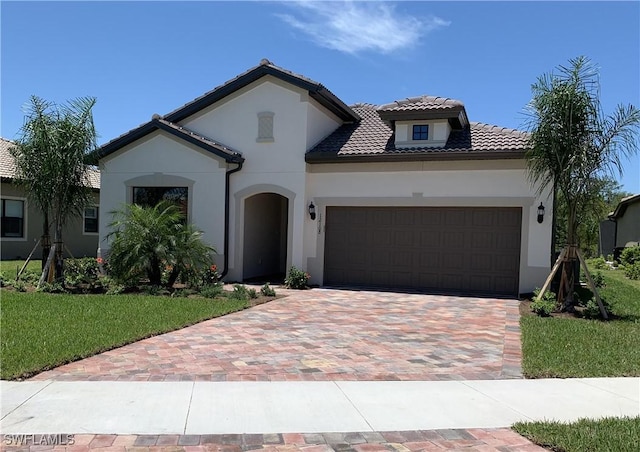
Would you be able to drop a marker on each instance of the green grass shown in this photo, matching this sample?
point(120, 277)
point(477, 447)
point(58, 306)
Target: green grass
point(572, 347)
point(8, 268)
point(603, 435)
point(41, 331)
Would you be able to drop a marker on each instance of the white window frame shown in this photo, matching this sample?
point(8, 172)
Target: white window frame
point(24, 219)
point(84, 212)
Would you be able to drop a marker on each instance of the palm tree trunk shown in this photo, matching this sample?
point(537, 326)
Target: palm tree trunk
point(45, 241)
point(59, 258)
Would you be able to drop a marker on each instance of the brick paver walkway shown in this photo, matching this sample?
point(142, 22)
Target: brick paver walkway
point(325, 334)
point(486, 440)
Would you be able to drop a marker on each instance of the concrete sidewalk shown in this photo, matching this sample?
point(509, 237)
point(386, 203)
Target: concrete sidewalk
point(196, 408)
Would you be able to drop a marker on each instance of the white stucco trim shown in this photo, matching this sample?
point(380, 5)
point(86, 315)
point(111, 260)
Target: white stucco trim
point(236, 241)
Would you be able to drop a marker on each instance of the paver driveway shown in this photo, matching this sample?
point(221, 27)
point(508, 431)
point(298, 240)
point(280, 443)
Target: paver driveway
point(325, 334)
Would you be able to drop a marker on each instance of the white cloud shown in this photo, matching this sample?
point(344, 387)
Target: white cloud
point(354, 27)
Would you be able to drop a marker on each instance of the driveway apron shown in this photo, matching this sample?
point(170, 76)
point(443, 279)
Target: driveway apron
point(326, 334)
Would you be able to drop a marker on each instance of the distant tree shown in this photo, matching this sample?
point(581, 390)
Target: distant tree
point(573, 145)
point(605, 197)
point(49, 155)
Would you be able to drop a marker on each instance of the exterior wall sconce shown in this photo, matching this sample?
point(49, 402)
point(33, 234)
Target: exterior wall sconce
point(540, 213)
point(312, 211)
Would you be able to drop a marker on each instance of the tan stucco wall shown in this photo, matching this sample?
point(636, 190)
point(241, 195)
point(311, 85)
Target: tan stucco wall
point(78, 243)
point(629, 225)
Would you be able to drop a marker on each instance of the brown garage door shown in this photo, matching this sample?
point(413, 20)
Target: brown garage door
point(460, 249)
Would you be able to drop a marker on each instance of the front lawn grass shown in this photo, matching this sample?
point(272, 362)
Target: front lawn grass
point(10, 268)
point(41, 331)
point(602, 435)
point(572, 347)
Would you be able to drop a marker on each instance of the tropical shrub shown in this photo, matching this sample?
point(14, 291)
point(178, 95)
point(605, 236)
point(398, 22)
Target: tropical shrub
point(599, 263)
point(297, 279)
point(82, 271)
point(592, 310)
point(150, 241)
point(632, 271)
point(630, 256)
point(598, 279)
point(267, 290)
point(240, 292)
point(544, 306)
point(211, 290)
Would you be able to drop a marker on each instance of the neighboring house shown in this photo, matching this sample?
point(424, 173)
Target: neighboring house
point(21, 226)
point(626, 218)
point(278, 172)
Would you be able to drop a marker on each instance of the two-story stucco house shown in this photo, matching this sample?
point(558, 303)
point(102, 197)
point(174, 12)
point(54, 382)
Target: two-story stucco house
point(278, 171)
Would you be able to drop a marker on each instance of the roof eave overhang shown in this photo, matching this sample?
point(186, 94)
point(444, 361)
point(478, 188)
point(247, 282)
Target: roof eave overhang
point(415, 156)
point(457, 116)
point(155, 124)
point(621, 208)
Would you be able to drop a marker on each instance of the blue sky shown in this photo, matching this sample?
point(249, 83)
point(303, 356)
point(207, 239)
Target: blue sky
point(140, 58)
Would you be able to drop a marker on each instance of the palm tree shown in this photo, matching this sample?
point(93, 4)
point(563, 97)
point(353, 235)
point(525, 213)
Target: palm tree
point(49, 156)
point(573, 146)
point(148, 240)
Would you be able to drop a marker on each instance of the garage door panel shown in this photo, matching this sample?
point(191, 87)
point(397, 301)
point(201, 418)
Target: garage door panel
point(482, 240)
point(454, 217)
point(462, 249)
point(481, 283)
point(429, 261)
point(481, 262)
point(404, 237)
point(482, 218)
point(452, 239)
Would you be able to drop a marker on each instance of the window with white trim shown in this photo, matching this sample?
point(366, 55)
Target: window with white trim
point(12, 218)
point(91, 220)
point(420, 132)
point(265, 127)
point(151, 196)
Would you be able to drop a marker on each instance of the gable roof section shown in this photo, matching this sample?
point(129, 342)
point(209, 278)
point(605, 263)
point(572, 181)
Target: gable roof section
point(622, 206)
point(8, 166)
point(183, 133)
point(372, 140)
point(316, 90)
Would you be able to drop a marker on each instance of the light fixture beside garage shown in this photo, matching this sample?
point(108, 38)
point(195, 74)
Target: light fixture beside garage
point(540, 213)
point(312, 211)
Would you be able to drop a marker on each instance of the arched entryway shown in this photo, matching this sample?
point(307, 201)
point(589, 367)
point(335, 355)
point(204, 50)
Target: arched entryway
point(265, 237)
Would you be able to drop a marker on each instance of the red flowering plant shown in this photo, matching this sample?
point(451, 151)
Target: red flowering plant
point(210, 276)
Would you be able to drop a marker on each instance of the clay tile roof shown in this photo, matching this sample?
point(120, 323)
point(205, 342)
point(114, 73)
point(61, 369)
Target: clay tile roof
point(372, 139)
point(422, 103)
point(8, 166)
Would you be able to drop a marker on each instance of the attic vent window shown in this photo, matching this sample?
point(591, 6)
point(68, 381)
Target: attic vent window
point(265, 127)
point(420, 132)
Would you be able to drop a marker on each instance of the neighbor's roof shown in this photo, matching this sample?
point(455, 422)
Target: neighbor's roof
point(372, 139)
point(622, 206)
point(8, 166)
point(7, 163)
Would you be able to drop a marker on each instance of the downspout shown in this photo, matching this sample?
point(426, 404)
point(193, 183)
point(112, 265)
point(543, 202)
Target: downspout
point(227, 215)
